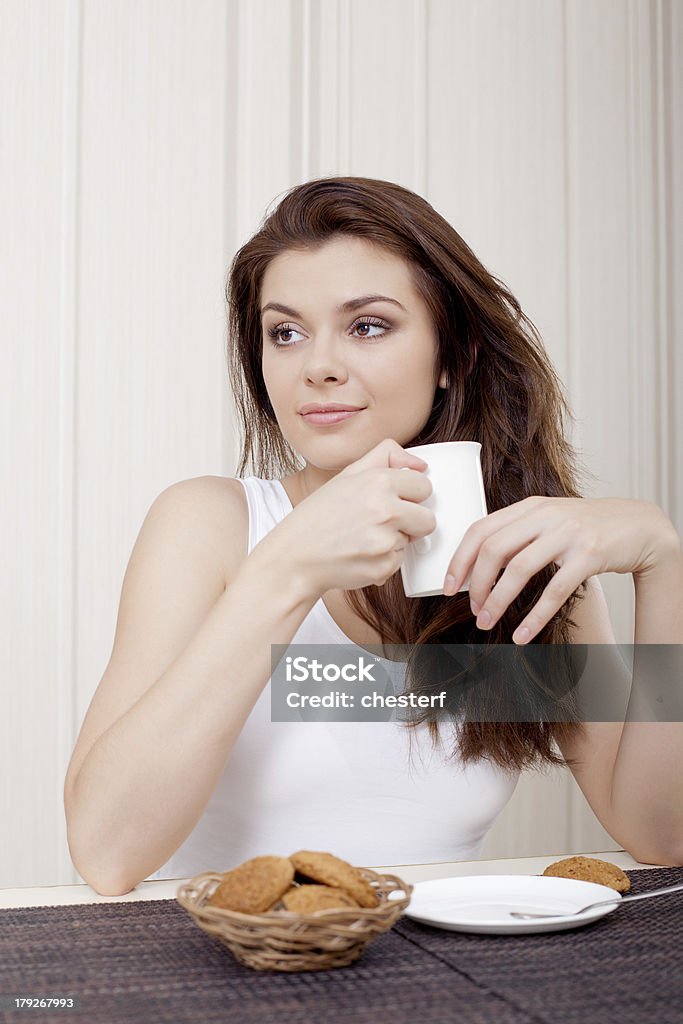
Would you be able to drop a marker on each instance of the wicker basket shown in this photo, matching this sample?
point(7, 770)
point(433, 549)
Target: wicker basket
point(283, 941)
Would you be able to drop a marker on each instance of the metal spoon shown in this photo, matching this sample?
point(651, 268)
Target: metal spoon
point(602, 903)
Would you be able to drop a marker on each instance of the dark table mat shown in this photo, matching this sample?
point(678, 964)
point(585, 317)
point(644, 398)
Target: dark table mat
point(148, 961)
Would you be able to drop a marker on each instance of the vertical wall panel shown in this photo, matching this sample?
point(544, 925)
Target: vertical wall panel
point(66, 540)
point(328, 45)
point(269, 100)
point(669, 62)
point(385, 123)
point(496, 151)
point(38, 62)
point(226, 132)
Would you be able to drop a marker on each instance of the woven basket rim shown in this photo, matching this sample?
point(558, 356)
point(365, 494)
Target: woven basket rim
point(335, 915)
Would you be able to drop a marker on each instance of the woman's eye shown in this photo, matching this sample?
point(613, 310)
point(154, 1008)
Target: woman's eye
point(281, 336)
point(371, 323)
point(275, 333)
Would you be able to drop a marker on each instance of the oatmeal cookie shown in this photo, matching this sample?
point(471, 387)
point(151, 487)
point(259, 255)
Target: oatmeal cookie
point(254, 886)
point(590, 869)
point(306, 899)
point(332, 871)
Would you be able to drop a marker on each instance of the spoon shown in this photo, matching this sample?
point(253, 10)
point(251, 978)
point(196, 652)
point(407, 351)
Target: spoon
point(601, 903)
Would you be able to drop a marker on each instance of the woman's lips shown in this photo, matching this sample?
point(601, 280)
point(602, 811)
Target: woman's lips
point(323, 418)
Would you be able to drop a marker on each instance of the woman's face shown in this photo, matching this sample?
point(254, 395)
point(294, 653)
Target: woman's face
point(378, 355)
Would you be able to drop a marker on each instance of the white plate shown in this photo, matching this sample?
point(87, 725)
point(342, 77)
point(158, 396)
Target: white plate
point(482, 903)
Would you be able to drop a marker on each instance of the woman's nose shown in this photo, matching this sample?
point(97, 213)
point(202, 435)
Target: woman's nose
point(324, 360)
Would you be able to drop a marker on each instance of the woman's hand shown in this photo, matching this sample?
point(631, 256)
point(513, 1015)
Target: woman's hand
point(353, 531)
point(583, 536)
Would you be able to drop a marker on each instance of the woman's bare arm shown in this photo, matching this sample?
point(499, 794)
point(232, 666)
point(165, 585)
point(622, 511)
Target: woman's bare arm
point(154, 744)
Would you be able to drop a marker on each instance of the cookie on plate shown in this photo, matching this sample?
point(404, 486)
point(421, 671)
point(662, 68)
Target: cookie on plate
point(590, 869)
point(306, 899)
point(335, 872)
point(254, 886)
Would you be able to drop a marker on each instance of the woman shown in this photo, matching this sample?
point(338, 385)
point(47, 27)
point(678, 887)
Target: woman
point(356, 292)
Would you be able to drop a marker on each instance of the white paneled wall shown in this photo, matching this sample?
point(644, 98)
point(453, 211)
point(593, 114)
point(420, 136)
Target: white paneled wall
point(140, 144)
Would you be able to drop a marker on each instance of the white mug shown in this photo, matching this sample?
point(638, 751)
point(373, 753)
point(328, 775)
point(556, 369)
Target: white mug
point(457, 500)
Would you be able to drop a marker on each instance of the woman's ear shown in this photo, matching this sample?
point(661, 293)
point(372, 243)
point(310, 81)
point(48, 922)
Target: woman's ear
point(443, 380)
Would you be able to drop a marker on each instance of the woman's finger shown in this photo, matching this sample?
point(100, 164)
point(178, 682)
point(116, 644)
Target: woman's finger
point(558, 591)
point(498, 551)
point(466, 553)
point(522, 564)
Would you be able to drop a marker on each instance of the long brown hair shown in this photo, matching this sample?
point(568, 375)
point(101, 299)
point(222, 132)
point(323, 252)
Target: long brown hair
point(503, 392)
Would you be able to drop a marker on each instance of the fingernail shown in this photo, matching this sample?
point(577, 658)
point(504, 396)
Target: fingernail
point(474, 606)
point(521, 635)
point(450, 586)
point(484, 620)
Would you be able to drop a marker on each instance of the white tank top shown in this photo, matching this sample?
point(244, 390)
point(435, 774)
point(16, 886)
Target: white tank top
point(354, 788)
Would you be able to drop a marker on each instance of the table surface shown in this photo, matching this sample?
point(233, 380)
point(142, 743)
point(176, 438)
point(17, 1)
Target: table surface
point(140, 957)
point(63, 895)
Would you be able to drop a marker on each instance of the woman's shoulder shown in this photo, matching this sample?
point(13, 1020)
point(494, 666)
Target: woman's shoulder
point(219, 504)
point(215, 491)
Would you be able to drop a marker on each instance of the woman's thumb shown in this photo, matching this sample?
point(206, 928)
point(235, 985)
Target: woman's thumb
point(389, 455)
point(399, 458)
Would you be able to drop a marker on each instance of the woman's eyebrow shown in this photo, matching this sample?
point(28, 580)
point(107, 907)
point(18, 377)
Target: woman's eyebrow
point(346, 307)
